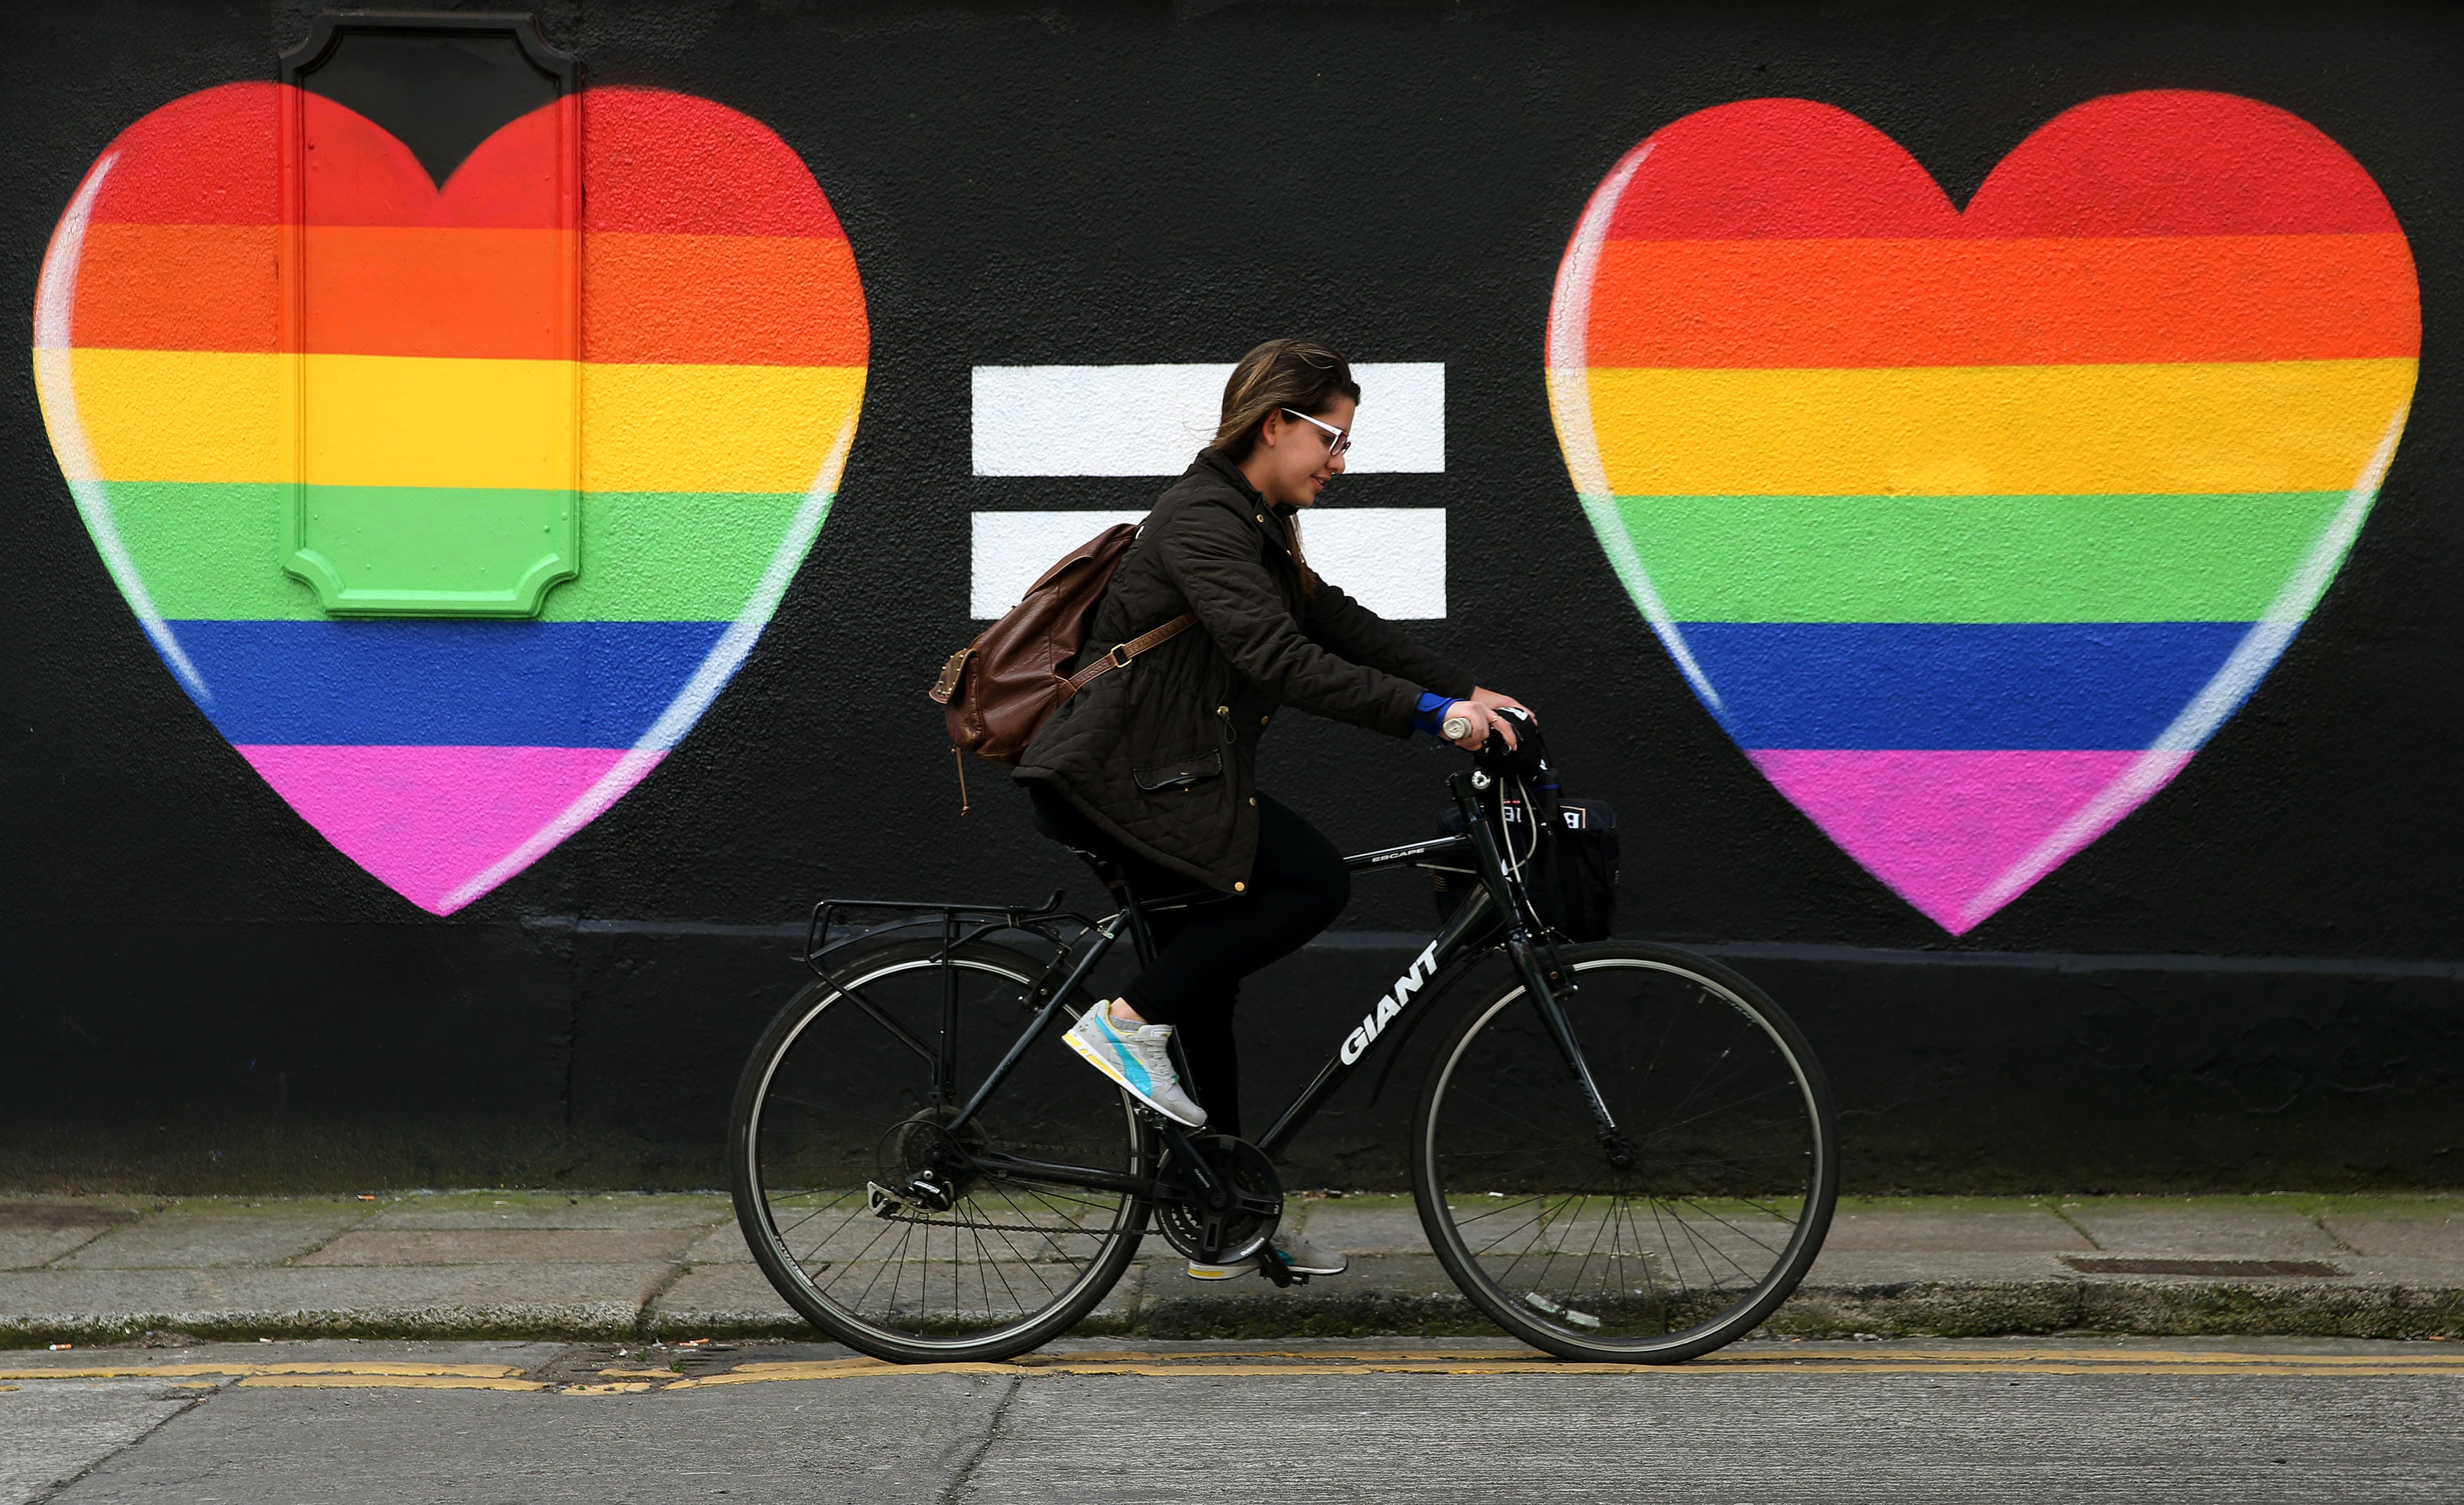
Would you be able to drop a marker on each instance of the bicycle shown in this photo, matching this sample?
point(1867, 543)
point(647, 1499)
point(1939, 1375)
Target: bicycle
point(1623, 1151)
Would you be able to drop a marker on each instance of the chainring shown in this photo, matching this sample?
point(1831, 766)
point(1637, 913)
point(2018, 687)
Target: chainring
point(1231, 1234)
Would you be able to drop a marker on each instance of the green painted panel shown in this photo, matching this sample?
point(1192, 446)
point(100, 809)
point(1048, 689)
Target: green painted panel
point(213, 551)
point(433, 551)
point(1973, 559)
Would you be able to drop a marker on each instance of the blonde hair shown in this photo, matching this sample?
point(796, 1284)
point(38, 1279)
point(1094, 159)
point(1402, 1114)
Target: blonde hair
point(1298, 373)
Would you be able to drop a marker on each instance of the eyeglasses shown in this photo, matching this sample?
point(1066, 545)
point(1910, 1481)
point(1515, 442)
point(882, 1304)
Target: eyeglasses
point(1337, 440)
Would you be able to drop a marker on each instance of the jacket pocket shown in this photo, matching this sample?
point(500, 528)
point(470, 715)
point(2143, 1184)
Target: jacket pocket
point(1181, 775)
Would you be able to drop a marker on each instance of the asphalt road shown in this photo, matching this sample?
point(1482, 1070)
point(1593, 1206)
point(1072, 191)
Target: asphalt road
point(2081, 1421)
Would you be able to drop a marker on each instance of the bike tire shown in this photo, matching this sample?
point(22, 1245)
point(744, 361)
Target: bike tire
point(827, 1071)
point(1730, 1138)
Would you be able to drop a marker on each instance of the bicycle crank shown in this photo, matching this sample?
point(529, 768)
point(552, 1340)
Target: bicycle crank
point(1241, 1225)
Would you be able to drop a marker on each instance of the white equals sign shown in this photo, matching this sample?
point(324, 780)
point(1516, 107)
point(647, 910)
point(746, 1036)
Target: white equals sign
point(1152, 421)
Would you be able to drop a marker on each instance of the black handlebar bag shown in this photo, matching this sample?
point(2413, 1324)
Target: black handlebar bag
point(1568, 863)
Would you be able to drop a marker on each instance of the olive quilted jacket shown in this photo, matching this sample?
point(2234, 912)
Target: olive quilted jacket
point(1164, 755)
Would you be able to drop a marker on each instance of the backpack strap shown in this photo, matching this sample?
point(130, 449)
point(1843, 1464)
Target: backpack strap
point(1123, 652)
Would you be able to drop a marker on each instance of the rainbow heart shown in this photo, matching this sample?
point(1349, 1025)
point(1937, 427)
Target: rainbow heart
point(317, 418)
point(1971, 528)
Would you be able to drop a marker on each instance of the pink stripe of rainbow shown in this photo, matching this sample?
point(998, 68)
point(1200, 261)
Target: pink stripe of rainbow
point(446, 812)
point(1960, 833)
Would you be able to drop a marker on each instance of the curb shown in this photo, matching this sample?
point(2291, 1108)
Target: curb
point(597, 1321)
point(1906, 1309)
point(2129, 1308)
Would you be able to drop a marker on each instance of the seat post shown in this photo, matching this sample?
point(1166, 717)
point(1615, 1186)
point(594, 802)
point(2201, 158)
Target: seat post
point(1117, 882)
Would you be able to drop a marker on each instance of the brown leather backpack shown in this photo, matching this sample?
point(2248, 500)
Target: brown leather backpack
point(997, 690)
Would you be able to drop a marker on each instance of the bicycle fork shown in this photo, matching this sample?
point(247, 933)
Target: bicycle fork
point(1538, 984)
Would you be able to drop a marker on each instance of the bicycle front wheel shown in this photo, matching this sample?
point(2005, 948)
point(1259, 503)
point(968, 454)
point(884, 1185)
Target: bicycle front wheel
point(1682, 1229)
point(850, 1090)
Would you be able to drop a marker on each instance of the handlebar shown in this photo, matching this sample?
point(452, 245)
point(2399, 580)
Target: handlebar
point(1527, 757)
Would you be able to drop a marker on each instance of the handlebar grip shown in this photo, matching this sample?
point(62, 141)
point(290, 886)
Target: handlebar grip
point(1454, 728)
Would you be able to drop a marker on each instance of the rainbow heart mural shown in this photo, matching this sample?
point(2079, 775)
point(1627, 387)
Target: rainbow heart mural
point(451, 508)
point(1971, 528)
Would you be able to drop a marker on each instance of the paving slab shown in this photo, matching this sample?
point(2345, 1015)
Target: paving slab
point(2199, 1228)
point(453, 1210)
point(2419, 1239)
point(204, 1233)
point(1927, 1226)
point(504, 1246)
point(35, 1232)
point(1370, 1225)
point(1865, 1267)
point(722, 1245)
point(2433, 1234)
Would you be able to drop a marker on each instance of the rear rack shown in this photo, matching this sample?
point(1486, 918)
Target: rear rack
point(957, 923)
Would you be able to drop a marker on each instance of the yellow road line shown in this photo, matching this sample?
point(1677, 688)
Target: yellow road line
point(141, 1371)
point(1314, 1355)
point(2189, 1356)
point(1734, 1357)
point(1460, 1363)
point(1293, 1363)
point(833, 1369)
point(618, 1387)
point(388, 1382)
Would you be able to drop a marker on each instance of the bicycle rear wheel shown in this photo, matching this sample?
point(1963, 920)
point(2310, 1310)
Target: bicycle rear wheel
point(1679, 1233)
point(848, 1089)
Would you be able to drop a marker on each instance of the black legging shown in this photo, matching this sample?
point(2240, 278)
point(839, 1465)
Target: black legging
point(1297, 888)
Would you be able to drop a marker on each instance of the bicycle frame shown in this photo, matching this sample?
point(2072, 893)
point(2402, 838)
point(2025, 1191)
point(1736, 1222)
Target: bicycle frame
point(1500, 898)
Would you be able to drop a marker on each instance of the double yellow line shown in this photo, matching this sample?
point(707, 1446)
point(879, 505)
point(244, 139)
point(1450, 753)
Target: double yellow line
point(343, 1374)
point(1791, 1359)
point(1491, 1360)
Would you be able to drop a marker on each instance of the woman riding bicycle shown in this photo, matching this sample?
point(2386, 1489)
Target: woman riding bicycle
point(1152, 768)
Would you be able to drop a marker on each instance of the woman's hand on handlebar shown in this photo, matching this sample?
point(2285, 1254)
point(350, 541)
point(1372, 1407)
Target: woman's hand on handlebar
point(1479, 714)
point(1478, 722)
point(1494, 699)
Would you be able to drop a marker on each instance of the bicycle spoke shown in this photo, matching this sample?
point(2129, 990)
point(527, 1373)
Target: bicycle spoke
point(960, 1256)
point(1663, 1241)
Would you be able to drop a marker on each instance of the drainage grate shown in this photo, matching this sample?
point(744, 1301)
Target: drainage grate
point(2087, 1264)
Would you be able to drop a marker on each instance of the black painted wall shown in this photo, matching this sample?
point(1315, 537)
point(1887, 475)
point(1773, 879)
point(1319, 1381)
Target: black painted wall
point(2254, 981)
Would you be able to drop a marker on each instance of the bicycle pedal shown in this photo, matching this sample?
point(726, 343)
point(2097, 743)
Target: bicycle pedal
point(1272, 1265)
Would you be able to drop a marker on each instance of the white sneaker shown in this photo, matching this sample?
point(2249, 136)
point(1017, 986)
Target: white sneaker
point(1139, 1059)
point(1298, 1254)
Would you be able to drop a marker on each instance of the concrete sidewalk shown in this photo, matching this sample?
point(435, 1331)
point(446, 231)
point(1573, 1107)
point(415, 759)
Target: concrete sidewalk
point(619, 1266)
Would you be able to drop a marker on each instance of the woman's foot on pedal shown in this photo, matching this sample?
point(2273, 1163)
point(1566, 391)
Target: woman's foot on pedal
point(1299, 1255)
point(1139, 1058)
